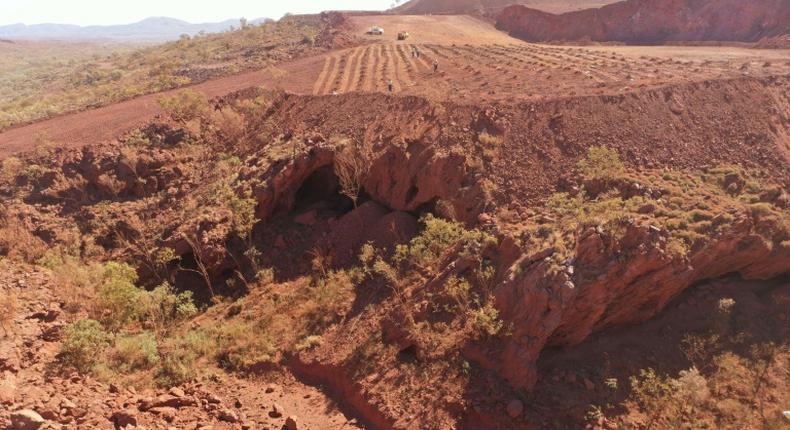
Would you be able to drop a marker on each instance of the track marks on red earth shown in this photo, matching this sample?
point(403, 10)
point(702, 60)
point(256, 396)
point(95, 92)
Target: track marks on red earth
point(523, 69)
point(351, 71)
point(370, 68)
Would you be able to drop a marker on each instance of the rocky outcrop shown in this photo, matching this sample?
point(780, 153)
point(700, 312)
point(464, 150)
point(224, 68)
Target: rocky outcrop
point(618, 280)
point(654, 22)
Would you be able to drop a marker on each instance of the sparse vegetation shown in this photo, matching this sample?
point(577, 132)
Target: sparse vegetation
point(86, 74)
point(84, 342)
point(185, 105)
point(602, 164)
point(350, 165)
point(134, 353)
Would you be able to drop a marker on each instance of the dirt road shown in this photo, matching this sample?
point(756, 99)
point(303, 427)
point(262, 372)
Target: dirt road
point(477, 64)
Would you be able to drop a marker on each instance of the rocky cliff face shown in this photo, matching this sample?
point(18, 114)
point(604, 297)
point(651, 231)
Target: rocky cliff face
point(654, 22)
point(610, 281)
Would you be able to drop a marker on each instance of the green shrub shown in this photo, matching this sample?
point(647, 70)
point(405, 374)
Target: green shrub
point(118, 299)
point(132, 353)
point(163, 307)
point(486, 320)
point(83, 344)
point(176, 368)
point(601, 163)
point(242, 344)
point(185, 105)
point(331, 298)
point(177, 365)
point(309, 342)
point(265, 276)
point(437, 237)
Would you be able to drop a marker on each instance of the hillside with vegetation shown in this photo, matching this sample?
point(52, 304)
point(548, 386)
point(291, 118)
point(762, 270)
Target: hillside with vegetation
point(59, 78)
point(458, 231)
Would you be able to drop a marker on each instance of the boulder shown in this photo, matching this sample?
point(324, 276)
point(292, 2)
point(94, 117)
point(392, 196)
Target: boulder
point(291, 423)
point(26, 419)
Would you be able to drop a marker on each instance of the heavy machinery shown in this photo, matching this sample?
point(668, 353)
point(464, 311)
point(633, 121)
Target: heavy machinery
point(403, 35)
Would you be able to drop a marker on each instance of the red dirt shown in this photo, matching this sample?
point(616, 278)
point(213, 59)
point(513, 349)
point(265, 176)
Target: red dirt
point(541, 108)
point(654, 22)
point(29, 355)
point(477, 64)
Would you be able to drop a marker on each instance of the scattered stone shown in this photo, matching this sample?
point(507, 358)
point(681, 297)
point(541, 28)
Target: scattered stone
point(26, 419)
point(270, 388)
point(228, 415)
point(515, 408)
point(177, 392)
point(277, 411)
point(124, 418)
point(77, 412)
point(167, 400)
point(213, 398)
point(291, 423)
point(167, 413)
point(67, 404)
point(114, 389)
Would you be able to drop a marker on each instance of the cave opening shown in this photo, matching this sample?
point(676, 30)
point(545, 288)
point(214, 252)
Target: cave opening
point(322, 190)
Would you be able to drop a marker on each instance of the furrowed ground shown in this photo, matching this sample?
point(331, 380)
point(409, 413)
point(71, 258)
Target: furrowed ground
point(476, 63)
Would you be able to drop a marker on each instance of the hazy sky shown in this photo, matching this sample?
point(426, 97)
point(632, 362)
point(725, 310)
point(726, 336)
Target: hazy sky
point(103, 12)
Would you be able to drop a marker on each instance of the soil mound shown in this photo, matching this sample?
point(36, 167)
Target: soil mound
point(654, 22)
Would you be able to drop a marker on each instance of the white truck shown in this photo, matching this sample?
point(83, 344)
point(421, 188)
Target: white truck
point(376, 31)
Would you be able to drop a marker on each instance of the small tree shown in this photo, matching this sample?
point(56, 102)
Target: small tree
point(164, 307)
point(350, 168)
point(202, 270)
point(118, 299)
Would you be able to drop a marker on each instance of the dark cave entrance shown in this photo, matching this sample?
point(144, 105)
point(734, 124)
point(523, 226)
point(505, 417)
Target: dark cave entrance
point(322, 190)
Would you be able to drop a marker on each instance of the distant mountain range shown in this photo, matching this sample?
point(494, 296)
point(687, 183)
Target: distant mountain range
point(150, 29)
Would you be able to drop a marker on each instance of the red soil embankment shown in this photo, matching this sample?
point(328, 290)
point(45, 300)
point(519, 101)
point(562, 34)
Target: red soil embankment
point(654, 21)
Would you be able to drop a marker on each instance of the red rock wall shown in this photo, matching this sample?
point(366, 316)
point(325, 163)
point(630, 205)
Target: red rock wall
point(654, 21)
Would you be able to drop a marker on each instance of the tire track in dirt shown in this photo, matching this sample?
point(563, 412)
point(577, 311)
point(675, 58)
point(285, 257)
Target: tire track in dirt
point(391, 69)
point(359, 71)
point(365, 70)
point(407, 67)
point(337, 77)
point(381, 69)
point(331, 76)
point(350, 71)
point(319, 82)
